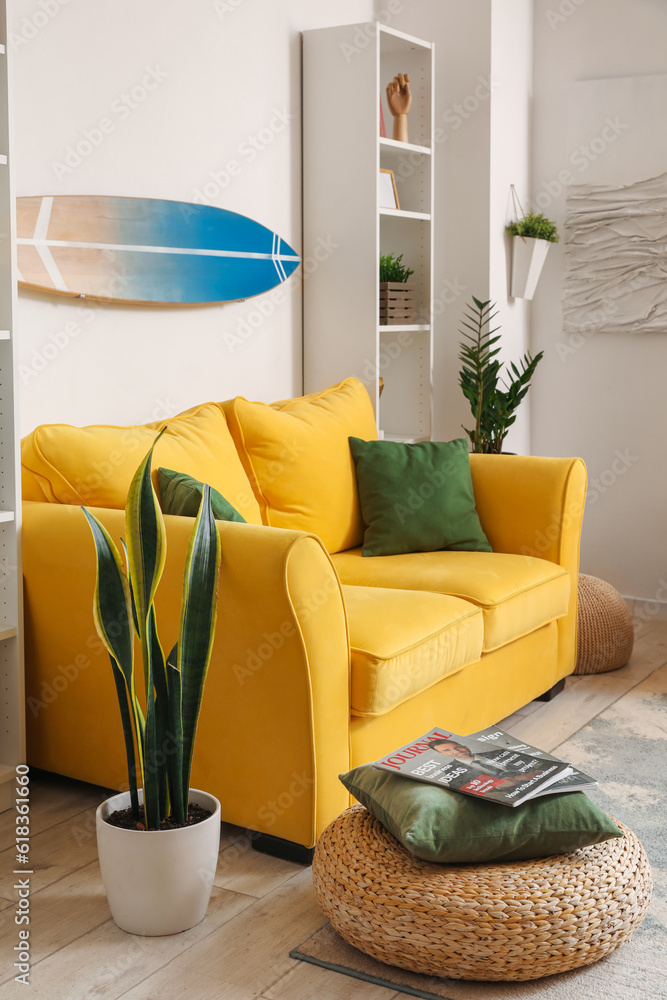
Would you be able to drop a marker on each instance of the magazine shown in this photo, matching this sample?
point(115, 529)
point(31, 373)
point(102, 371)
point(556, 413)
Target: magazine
point(576, 781)
point(486, 764)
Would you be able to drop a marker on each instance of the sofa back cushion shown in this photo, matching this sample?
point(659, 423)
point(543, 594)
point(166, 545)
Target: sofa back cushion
point(95, 465)
point(297, 456)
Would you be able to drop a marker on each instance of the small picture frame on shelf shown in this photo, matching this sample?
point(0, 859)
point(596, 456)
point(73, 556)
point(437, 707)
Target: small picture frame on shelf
point(387, 193)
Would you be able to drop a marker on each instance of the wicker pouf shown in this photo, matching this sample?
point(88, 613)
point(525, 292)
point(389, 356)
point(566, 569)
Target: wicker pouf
point(500, 921)
point(605, 633)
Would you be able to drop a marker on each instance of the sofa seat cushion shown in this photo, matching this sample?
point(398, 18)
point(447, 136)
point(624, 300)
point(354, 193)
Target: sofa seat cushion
point(403, 641)
point(95, 465)
point(516, 594)
point(297, 456)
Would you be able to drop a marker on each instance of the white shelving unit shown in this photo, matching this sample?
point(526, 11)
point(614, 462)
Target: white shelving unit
point(345, 73)
point(12, 719)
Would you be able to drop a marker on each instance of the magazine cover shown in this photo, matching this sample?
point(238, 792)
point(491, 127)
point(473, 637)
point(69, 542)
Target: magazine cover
point(576, 781)
point(475, 766)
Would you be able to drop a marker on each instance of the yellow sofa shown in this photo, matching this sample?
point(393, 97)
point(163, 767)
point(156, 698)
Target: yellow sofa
point(322, 659)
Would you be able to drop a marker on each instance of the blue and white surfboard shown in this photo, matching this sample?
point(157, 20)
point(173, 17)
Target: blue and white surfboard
point(146, 250)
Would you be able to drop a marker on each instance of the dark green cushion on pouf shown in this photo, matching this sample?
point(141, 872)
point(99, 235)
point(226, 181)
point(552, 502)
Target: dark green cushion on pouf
point(439, 825)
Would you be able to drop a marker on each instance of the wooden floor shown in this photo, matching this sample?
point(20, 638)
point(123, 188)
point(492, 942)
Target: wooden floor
point(260, 907)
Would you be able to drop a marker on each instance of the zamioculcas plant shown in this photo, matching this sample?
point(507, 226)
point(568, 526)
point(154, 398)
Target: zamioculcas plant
point(172, 686)
point(492, 405)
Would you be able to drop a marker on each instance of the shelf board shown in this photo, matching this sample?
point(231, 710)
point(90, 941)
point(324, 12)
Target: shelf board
point(404, 328)
point(5, 335)
point(400, 36)
point(406, 438)
point(6, 515)
point(399, 213)
point(7, 631)
point(394, 147)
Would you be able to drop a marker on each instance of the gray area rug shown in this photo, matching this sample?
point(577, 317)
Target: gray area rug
point(625, 747)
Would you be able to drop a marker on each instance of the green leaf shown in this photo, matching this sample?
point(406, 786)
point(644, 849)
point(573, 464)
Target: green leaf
point(146, 539)
point(146, 553)
point(535, 226)
point(112, 615)
point(391, 268)
point(492, 399)
point(112, 600)
point(126, 719)
point(179, 793)
point(162, 715)
point(198, 617)
point(134, 607)
point(151, 775)
point(481, 305)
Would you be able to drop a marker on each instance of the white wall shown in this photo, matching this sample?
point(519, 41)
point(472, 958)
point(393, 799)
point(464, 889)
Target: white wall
point(511, 109)
point(605, 400)
point(224, 71)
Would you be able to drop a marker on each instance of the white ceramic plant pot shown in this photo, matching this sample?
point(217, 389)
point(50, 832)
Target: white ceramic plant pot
point(158, 881)
point(528, 256)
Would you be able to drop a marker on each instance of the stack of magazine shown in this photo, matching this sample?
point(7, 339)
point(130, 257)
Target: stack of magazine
point(490, 764)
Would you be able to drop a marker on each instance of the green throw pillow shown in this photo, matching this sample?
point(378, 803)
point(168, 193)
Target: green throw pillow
point(181, 494)
point(416, 497)
point(439, 825)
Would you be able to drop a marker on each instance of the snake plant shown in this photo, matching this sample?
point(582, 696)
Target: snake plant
point(161, 737)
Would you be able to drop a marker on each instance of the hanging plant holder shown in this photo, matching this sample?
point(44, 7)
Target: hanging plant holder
point(528, 251)
point(528, 256)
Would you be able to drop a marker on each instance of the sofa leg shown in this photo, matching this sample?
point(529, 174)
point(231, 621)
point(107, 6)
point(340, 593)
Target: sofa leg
point(265, 843)
point(552, 692)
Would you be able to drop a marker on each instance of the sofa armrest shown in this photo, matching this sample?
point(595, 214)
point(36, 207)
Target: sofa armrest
point(274, 729)
point(530, 505)
point(534, 506)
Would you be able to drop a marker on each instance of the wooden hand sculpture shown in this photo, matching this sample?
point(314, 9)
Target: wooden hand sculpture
point(399, 100)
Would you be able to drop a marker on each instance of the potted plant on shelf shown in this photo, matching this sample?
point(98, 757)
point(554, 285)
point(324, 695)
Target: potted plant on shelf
point(532, 235)
point(493, 402)
point(158, 864)
point(397, 294)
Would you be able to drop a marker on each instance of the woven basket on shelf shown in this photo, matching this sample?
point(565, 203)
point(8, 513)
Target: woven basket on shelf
point(500, 921)
point(605, 633)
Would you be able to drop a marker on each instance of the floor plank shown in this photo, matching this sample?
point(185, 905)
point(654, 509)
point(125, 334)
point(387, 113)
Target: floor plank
point(531, 707)
point(647, 620)
point(243, 870)
point(54, 853)
point(52, 800)
point(587, 695)
point(98, 959)
point(61, 913)
point(306, 982)
point(249, 957)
